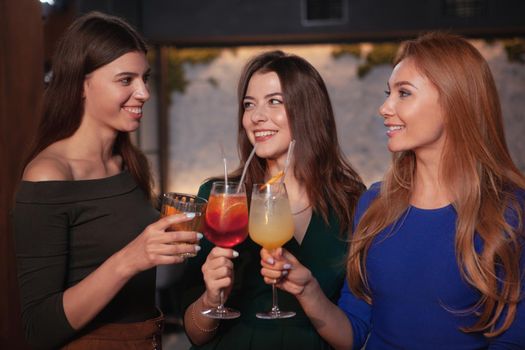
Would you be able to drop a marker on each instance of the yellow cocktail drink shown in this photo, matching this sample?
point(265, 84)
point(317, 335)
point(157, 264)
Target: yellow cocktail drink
point(271, 224)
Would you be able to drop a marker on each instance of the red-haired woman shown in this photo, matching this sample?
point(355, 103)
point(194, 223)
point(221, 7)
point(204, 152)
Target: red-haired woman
point(436, 260)
point(87, 239)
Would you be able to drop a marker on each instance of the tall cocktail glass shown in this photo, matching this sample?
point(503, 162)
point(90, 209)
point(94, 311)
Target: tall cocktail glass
point(271, 225)
point(226, 225)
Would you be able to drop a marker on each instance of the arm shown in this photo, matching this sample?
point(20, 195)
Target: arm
point(514, 337)
point(83, 301)
point(218, 274)
point(51, 314)
point(329, 321)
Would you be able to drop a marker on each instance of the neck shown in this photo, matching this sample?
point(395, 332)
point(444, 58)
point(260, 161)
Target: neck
point(274, 166)
point(429, 189)
point(89, 142)
point(297, 194)
point(92, 144)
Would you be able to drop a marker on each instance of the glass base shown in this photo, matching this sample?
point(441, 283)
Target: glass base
point(223, 313)
point(272, 315)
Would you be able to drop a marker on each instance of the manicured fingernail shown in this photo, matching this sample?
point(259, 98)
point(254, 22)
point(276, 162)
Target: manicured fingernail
point(199, 235)
point(285, 272)
point(190, 215)
point(270, 261)
point(235, 254)
point(287, 266)
point(197, 248)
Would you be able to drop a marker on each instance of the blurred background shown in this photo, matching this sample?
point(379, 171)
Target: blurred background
point(197, 49)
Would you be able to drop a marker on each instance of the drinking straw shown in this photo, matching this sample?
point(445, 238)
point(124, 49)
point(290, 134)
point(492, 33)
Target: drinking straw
point(225, 167)
point(246, 167)
point(288, 158)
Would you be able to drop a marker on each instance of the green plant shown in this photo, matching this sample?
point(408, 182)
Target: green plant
point(515, 49)
point(382, 53)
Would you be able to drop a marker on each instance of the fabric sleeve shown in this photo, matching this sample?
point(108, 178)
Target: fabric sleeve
point(357, 310)
point(358, 313)
point(514, 337)
point(41, 241)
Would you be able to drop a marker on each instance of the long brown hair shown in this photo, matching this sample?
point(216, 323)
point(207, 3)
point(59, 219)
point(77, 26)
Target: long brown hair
point(329, 179)
point(91, 42)
point(476, 167)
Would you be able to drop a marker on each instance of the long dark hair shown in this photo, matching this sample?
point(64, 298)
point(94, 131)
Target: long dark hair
point(91, 42)
point(329, 179)
point(482, 179)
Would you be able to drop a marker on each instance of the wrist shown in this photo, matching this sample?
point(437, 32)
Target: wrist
point(121, 266)
point(206, 303)
point(310, 290)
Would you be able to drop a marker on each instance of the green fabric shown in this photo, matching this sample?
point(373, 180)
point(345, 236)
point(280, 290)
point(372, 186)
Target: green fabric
point(322, 251)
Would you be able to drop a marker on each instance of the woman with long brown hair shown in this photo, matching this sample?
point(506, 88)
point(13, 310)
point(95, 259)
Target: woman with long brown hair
point(436, 260)
point(87, 239)
point(281, 97)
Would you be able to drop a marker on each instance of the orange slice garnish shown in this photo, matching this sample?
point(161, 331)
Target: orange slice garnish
point(273, 180)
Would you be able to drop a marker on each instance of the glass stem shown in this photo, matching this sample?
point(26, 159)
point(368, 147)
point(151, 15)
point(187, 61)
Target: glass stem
point(275, 307)
point(220, 308)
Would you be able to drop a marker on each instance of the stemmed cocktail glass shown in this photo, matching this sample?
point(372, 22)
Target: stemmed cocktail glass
point(226, 225)
point(271, 225)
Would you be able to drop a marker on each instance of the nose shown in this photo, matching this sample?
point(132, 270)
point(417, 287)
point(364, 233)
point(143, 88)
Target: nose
point(386, 110)
point(142, 92)
point(258, 115)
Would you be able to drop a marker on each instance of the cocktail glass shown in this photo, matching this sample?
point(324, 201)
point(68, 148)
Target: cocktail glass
point(176, 203)
point(271, 225)
point(226, 225)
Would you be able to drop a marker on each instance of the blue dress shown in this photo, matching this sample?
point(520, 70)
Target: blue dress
point(417, 290)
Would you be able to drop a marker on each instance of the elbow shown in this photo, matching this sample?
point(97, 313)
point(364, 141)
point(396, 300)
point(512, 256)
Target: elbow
point(42, 338)
point(34, 341)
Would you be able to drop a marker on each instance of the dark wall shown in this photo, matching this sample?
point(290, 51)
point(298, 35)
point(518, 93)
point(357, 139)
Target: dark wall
point(21, 87)
point(190, 22)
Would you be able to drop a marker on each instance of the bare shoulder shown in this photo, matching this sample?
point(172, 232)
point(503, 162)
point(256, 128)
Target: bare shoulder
point(47, 167)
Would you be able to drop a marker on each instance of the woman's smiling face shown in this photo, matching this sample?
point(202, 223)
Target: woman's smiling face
point(265, 120)
point(412, 113)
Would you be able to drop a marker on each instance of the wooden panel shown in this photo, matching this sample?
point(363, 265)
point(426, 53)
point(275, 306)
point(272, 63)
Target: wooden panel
point(21, 73)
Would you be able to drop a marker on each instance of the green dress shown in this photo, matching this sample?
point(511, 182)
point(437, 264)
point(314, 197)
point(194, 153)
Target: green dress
point(322, 251)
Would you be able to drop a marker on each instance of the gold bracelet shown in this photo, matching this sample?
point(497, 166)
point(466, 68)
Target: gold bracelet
point(195, 321)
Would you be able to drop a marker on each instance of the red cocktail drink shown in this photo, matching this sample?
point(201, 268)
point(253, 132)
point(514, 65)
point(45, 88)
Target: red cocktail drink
point(227, 219)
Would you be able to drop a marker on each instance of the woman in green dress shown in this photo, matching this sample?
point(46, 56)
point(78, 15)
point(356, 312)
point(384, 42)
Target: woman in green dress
point(281, 97)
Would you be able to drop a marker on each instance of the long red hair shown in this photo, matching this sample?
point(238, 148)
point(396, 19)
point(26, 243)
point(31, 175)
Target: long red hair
point(478, 170)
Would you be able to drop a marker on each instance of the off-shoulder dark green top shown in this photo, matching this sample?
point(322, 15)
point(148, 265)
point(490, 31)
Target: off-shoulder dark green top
point(322, 251)
point(64, 230)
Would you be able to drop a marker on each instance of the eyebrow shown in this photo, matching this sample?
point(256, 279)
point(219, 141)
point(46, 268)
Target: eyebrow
point(266, 96)
point(133, 74)
point(401, 83)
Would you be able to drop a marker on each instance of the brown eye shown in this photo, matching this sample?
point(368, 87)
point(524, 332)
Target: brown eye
point(125, 81)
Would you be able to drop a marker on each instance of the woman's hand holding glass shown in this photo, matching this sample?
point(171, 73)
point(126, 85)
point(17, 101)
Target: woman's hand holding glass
point(194, 207)
point(218, 274)
point(156, 245)
point(282, 268)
